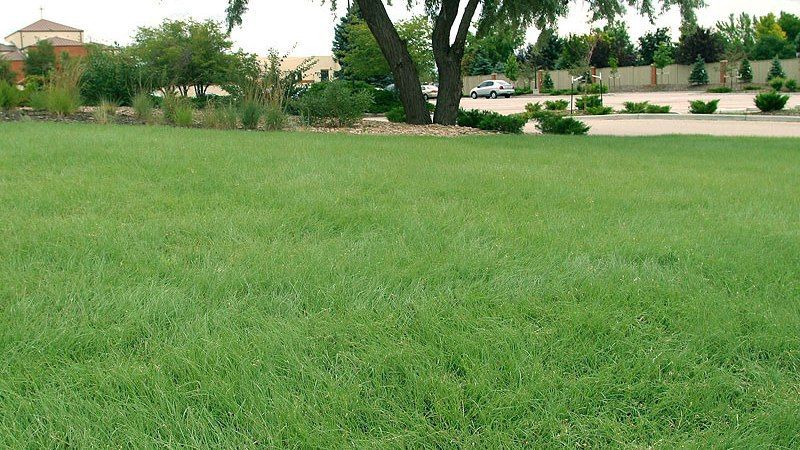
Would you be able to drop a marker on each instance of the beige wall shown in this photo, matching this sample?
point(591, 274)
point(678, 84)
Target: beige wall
point(314, 74)
point(673, 75)
point(28, 38)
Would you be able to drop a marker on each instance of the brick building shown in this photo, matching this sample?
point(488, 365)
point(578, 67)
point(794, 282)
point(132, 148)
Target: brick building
point(65, 40)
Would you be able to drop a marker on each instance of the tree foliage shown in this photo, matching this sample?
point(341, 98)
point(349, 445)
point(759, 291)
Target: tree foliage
point(184, 54)
point(6, 74)
point(702, 41)
point(699, 74)
point(650, 42)
point(40, 59)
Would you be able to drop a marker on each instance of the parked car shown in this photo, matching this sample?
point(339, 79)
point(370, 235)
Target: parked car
point(430, 91)
point(493, 89)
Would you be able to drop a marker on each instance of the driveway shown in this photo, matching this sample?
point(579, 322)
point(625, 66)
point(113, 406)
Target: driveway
point(679, 101)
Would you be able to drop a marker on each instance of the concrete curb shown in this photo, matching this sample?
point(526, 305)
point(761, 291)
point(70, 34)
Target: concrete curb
point(704, 117)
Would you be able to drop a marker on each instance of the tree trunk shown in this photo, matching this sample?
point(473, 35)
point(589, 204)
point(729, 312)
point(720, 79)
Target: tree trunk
point(405, 73)
point(449, 56)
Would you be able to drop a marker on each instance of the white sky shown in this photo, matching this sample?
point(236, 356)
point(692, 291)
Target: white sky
point(304, 26)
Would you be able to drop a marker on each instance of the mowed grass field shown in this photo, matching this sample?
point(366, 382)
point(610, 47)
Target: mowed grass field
point(178, 288)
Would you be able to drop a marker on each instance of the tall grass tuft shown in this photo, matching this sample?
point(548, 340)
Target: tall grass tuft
point(143, 107)
point(105, 112)
point(64, 88)
point(251, 114)
point(178, 111)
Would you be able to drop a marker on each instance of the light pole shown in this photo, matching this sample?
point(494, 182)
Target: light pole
point(600, 77)
point(572, 94)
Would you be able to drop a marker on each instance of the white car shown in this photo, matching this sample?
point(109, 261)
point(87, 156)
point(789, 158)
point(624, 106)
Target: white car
point(493, 89)
point(430, 91)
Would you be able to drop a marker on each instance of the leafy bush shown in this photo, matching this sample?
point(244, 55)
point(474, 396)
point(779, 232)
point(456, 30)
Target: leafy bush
point(184, 115)
point(251, 115)
point(524, 90)
point(777, 84)
point(791, 85)
point(658, 109)
point(751, 87)
point(720, 90)
point(38, 100)
point(635, 108)
point(599, 110)
point(645, 108)
point(549, 123)
point(396, 115)
point(491, 121)
point(274, 118)
point(556, 105)
point(62, 101)
point(384, 101)
point(596, 89)
point(335, 104)
point(512, 124)
point(588, 101)
point(143, 107)
point(701, 107)
point(565, 92)
point(10, 96)
point(110, 74)
point(771, 101)
point(105, 112)
point(470, 117)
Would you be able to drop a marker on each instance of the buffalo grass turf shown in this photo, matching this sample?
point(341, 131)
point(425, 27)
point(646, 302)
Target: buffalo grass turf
point(164, 287)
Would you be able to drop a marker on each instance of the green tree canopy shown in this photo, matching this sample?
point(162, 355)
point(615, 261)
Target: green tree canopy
point(184, 54)
point(705, 42)
point(40, 59)
point(650, 42)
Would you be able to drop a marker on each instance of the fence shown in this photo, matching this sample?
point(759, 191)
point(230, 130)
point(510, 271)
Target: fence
point(675, 75)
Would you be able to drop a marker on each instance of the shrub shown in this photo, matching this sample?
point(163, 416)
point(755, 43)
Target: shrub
point(6, 74)
point(658, 109)
point(771, 101)
point(38, 100)
point(250, 115)
point(143, 107)
point(746, 71)
point(635, 108)
point(491, 121)
point(220, 117)
point(470, 118)
point(63, 91)
point(10, 96)
point(512, 124)
point(105, 112)
point(524, 90)
point(720, 90)
point(596, 89)
point(701, 107)
point(178, 111)
point(547, 83)
point(556, 105)
point(599, 110)
point(274, 118)
point(699, 75)
point(335, 104)
point(550, 123)
point(384, 101)
point(751, 87)
point(777, 84)
point(396, 115)
point(62, 101)
point(588, 101)
point(776, 70)
point(791, 85)
point(110, 74)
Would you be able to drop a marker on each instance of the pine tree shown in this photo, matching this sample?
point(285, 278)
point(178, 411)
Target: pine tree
point(776, 71)
point(746, 72)
point(547, 83)
point(699, 75)
point(341, 39)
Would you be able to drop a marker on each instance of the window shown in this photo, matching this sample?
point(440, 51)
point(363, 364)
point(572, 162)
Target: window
point(325, 75)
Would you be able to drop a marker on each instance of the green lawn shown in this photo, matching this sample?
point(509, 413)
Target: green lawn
point(196, 289)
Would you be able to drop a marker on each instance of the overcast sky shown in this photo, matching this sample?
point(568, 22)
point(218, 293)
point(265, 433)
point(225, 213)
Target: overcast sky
point(303, 26)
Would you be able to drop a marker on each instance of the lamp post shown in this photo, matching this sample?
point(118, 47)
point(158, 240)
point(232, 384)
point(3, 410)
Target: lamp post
point(600, 77)
point(572, 94)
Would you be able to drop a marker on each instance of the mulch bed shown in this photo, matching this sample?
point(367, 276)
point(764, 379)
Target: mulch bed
point(126, 116)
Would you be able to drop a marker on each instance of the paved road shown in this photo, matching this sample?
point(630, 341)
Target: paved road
point(654, 127)
point(678, 100)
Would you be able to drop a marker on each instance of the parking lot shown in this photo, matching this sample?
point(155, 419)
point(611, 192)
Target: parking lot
point(679, 101)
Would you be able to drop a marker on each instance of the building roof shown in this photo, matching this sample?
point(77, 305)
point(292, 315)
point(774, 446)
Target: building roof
point(61, 42)
point(7, 48)
point(13, 56)
point(46, 25)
